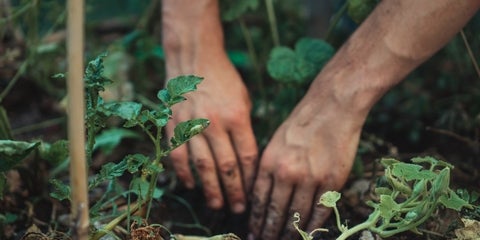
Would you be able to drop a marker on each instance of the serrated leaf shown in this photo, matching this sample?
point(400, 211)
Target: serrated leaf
point(61, 191)
point(13, 152)
point(329, 198)
point(233, 9)
point(94, 77)
point(135, 161)
point(453, 201)
point(186, 130)
point(410, 172)
point(388, 207)
point(125, 110)
point(178, 86)
point(109, 139)
point(108, 171)
point(54, 153)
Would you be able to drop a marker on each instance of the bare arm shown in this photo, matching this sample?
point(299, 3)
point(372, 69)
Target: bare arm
point(313, 150)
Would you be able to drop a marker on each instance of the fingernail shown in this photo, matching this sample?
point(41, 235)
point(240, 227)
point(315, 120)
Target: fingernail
point(215, 203)
point(238, 208)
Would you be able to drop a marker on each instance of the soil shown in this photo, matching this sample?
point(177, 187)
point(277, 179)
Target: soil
point(28, 201)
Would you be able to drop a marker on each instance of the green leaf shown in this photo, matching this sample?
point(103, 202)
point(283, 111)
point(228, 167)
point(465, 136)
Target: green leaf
point(233, 9)
point(8, 218)
point(441, 184)
point(388, 207)
point(111, 138)
point(61, 190)
point(186, 130)
point(330, 198)
point(315, 51)
point(54, 153)
point(109, 171)
point(453, 201)
point(140, 187)
point(410, 171)
point(135, 161)
point(178, 86)
point(358, 10)
point(285, 66)
point(13, 152)
point(125, 110)
point(301, 65)
point(94, 77)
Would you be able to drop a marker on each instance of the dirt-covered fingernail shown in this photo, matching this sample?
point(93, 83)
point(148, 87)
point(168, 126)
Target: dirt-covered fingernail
point(238, 208)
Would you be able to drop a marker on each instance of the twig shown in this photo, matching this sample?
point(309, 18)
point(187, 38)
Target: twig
point(468, 141)
point(470, 53)
point(76, 123)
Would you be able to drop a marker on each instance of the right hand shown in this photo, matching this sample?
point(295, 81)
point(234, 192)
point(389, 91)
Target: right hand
point(225, 154)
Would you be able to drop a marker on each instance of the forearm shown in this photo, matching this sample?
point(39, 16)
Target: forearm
point(191, 30)
point(397, 37)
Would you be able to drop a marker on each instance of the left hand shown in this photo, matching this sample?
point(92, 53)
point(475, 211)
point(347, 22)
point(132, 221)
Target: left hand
point(312, 152)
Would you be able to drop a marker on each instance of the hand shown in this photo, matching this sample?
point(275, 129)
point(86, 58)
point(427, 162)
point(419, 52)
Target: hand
point(225, 154)
point(312, 152)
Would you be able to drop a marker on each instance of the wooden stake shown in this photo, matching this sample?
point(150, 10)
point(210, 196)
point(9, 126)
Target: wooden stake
point(76, 129)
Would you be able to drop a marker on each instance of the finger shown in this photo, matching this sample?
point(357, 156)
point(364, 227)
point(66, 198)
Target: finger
point(261, 192)
point(302, 202)
point(319, 215)
point(205, 165)
point(277, 209)
point(179, 159)
point(228, 169)
point(247, 153)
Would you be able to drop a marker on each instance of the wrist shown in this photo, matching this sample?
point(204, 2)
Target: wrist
point(191, 28)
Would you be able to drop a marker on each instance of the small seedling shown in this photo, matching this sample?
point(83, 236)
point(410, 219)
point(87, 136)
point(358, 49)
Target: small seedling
point(406, 196)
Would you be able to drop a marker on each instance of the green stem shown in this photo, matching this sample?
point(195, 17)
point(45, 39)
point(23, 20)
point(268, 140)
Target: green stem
point(273, 22)
point(336, 18)
point(470, 53)
point(14, 80)
point(112, 224)
point(253, 57)
point(36, 126)
point(371, 221)
point(337, 218)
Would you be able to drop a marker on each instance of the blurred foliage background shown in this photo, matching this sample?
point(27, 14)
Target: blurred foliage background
point(434, 111)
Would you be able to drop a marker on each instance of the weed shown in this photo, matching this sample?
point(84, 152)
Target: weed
point(405, 197)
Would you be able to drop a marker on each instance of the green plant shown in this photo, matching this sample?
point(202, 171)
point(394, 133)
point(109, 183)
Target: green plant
point(406, 196)
point(144, 168)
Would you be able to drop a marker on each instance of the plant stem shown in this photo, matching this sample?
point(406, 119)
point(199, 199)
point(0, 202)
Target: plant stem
point(14, 80)
point(336, 18)
point(112, 224)
point(36, 126)
point(253, 56)
point(273, 22)
point(470, 53)
point(371, 221)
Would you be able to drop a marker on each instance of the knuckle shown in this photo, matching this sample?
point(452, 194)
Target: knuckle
point(203, 164)
point(248, 158)
point(227, 167)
